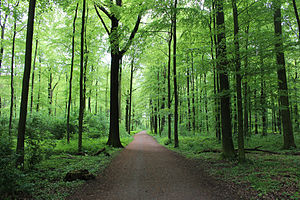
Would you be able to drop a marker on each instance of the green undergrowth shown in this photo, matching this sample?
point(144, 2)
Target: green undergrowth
point(45, 179)
point(267, 176)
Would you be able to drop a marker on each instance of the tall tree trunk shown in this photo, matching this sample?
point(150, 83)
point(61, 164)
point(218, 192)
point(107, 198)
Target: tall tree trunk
point(33, 70)
point(81, 101)
point(71, 75)
point(263, 96)
point(25, 85)
point(130, 94)
point(245, 85)
point(169, 83)
point(227, 143)
point(206, 104)
point(12, 78)
point(163, 119)
point(282, 80)
point(188, 98)
point(50, 91)
point(193, 93)
point(175, 79)
point(39, 91)
point(241, 150)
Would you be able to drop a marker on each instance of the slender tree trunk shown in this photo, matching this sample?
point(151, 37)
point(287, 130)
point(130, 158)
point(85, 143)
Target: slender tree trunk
point(245, 85)
point(188, 98)
point(71, 75)
point(50, 91)
point(206, 105)
point(39, 91)
point(169, 83)
point(255, 110)
point(81, 101)
point(241, 150)
point(263, 97)
point(130, 94)
point(25, 85)
point(175, 79)
point(12, 78)
point(227, 143)
point(33, 70)
point(282, 80)
point(193, 93)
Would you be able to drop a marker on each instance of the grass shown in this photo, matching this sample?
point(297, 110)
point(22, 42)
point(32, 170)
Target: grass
point(45, 181)
point(267, 176)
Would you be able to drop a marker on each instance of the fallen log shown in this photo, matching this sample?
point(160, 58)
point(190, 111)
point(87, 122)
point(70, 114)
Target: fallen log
point(102, 151)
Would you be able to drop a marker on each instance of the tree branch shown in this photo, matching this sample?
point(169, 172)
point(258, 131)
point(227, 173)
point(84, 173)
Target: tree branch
point(104, 10)
point(102, 21)
point(135, 29)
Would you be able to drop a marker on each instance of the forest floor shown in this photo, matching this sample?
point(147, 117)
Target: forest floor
point(147, 170)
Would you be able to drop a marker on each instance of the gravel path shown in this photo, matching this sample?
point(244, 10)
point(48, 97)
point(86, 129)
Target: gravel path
point(146, 170)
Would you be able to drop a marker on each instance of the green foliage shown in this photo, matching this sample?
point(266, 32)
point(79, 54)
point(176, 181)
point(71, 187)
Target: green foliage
point(10, 177)
point(267, 174)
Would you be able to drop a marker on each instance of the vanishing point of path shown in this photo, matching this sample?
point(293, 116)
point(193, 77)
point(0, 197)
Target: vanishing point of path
point(145, 170)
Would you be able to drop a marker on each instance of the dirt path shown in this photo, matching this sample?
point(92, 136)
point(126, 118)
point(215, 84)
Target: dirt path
point(146, 170)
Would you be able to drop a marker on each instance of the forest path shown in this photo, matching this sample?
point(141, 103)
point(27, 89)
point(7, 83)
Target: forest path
point(146, 170)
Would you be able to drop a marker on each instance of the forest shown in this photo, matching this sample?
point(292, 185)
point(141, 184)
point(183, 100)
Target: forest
point(215, 81)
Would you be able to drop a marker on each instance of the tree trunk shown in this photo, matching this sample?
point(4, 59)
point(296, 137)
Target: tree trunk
point(71, 75)
point(169, 83)
point(263, 97)
point(25, 86)
point(188, 98)
point(114, 135)
point(241, 150)
point(245, 86)
point(175, 79)
point(130, 94)
point(12, 78)
point(227, 143)
point(39, 91)
point(32, 78)
point(282, 80)
point(81, 101)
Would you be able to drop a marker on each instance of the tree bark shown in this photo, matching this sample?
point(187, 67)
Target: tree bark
point(81, 101)
point(169, 83)
point(222, 64)
point(130, 94)
point(241, 150)
point(282, 80)
point(33, 70)
point(25, 86)
point(176, 144)
point(71, 75)
point(12, 78)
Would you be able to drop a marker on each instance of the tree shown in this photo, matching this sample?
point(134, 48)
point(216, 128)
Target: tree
point(238, 83)
point(175, 78)
point(282, 80)
point(82, 95)
point(116, 59)
point(71, 75)
point(25, 85)
point(222, 64)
